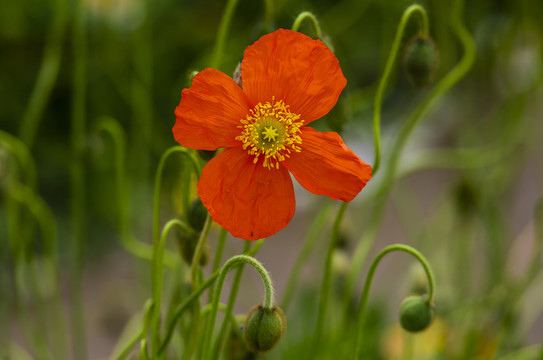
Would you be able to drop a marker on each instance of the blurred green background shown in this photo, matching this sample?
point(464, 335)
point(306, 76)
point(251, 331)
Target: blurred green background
point(136, 56)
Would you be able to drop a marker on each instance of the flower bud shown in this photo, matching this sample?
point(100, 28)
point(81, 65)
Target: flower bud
point(420, 61)
point(197, 215)
point(415, 313)
point(187, 246)
point(264, 327)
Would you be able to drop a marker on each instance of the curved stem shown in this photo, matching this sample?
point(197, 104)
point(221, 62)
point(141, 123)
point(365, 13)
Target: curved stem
point(391, 166)
point(22, 154)
point(158, 183)
point(413, 9)
point(48, 73)
point(306, 15)
point(326, 280)
point(369, 278)
point(137, 248)
point(157, 252)
point(195, 294)
point(235, 261)
point(158, 277)
point(230, 306)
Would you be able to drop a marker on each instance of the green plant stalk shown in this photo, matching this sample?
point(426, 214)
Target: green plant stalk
point(369, 278)
point(23, 156)
point(409, 346)
point(268, 12)
point(223, 33)
point(141, 92)
point(158, 278)
point(411, 10)
point(48, 73)
point(195, 277)
point(144, 352)
point(147, 307)
point(324, 297)
point(219, 342)
point(157, 254)
point(77, 182)
point(385, 185)
point(194, 295)
point(306, 15)
point(235, 261)
point(224, 26)
point(218, 252)
point(137, 248)
point(43, 282)
point(309, 244)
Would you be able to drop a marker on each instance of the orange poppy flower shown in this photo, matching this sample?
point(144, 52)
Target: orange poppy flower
point(288, 80)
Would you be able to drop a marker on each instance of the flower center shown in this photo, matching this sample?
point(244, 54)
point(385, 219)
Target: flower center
point(271, 131)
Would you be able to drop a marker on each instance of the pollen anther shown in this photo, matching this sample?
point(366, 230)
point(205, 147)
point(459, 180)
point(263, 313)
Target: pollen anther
point(272, 131)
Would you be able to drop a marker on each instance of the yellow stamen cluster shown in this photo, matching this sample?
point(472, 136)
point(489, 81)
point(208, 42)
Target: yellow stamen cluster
point(271, 131)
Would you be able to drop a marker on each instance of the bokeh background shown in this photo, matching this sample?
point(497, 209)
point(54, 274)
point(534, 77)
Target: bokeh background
point(130, 60)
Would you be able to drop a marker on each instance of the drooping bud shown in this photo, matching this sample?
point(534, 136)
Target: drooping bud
point(264, 327)
point(420, 61)
point(187, 246)
point(197, 215)
point(416, 313)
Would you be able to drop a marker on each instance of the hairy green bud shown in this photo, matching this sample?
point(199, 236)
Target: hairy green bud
point(264, 327)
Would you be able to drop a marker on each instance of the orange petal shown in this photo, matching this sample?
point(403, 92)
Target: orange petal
point(325, 166)
point(210, 111)
point(247, 199)
point(294, 68)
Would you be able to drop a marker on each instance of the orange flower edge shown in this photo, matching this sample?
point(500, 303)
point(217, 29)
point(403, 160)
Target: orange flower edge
point(288, 81)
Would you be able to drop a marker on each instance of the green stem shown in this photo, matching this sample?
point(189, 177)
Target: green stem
point(235, 261)
point(309, 244)
point(47, 75)
point(195, 294)
point(219, 250)
point(195, 277)
point(306, 15)
point(157, 254)
point(369, 278)
point(230, 306)
point(158, 278)
point(224, 26)
point(413, 9)
point(78, 202)
point(326, 281)
point(23, 156)
point(137, 248)
point(144, 353)
point(139, 336)
point(42, 281)
point(223, 32)
point(391, 166)
point(268, 12)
